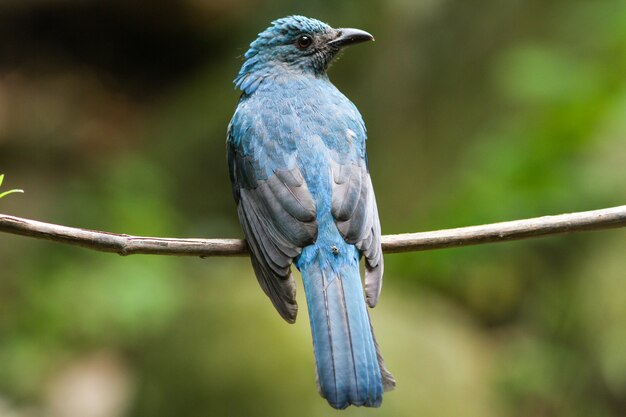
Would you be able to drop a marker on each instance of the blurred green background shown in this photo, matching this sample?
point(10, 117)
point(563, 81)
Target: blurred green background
point(113, 116)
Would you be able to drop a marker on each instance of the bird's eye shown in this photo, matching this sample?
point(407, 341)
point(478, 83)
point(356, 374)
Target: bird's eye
point(304, 41)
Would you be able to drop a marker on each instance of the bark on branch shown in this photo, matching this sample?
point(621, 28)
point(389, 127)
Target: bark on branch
point(406, 242)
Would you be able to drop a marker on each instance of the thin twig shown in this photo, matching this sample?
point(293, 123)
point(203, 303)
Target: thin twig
point(408, 242)
point(608, 218)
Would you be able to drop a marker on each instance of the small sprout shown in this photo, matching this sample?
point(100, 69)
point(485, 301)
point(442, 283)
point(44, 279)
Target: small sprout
point(4, 194)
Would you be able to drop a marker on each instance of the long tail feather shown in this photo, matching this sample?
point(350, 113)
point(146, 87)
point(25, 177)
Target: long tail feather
point(349, 366)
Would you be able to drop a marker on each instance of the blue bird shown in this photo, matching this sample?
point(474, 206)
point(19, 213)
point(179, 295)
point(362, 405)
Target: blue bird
point(300, 178)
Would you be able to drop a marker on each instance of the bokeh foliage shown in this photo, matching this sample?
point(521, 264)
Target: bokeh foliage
point(113, 117)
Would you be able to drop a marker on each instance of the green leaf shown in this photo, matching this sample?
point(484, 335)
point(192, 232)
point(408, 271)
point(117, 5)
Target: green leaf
point(4, 194)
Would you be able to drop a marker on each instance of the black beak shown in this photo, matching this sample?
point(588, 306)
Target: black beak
point(348, 36)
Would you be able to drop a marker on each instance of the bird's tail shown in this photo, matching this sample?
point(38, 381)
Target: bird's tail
point(350, 369)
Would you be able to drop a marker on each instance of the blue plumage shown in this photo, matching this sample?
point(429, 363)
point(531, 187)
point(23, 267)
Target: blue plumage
point(296, 152)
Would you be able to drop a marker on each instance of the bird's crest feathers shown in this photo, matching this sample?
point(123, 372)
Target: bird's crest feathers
point(275, 47)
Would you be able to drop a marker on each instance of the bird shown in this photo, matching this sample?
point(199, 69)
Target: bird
point(300, 178)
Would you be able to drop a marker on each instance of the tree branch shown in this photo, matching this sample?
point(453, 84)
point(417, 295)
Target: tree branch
point(407, 242)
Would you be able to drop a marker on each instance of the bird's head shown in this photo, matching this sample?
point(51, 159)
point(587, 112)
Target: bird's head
point(294, 43)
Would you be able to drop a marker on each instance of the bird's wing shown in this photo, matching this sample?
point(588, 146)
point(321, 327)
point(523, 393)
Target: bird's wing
point(354, 206)
point(276, 211)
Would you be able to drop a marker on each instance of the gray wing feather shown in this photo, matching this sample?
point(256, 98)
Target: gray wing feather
point(279, 218)
point(346, 191)
point(356, 215)
point(290, 189)
point(279, 286)
point(374, 262)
